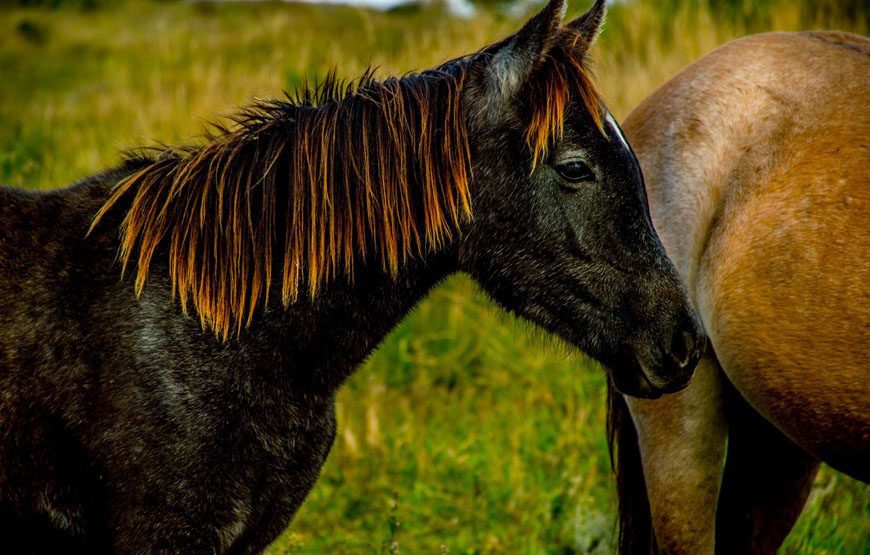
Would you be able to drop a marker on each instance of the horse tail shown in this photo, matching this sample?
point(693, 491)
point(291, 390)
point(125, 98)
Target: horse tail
point(634, 520)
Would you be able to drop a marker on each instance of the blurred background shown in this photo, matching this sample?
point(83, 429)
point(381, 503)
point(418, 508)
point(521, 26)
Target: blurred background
point(468, 431)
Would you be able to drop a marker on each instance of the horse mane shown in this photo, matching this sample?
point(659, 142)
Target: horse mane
point(562, 75)
point(343, 173)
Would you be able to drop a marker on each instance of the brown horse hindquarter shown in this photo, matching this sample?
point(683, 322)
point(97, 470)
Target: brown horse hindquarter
point(784, 283)
point(757, 168)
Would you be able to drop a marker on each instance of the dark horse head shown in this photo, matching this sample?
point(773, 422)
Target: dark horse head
point(562, 233)
point(505, 163)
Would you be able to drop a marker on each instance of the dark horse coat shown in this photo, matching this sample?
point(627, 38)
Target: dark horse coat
point(193, 414)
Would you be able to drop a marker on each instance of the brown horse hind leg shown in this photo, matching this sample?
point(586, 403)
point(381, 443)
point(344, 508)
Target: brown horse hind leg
point(681, 438)
point(766, 483)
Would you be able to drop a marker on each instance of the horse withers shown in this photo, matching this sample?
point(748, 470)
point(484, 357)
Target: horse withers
point(188, 406)
point(757, 165)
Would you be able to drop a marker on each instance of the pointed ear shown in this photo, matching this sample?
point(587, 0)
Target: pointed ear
point(588, 25)
point(514, 59)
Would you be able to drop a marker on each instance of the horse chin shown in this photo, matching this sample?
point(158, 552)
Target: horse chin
point(631, 378)
point(635, 385)
point(629, 375)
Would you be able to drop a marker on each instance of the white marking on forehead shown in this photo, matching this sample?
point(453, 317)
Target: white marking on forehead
point(617, 130)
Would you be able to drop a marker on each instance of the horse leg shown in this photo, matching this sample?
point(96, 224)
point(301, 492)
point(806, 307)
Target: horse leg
point(682, 446)
point(766, 483)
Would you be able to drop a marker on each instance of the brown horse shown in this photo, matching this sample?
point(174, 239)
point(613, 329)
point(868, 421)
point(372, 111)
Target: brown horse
point(758, 174)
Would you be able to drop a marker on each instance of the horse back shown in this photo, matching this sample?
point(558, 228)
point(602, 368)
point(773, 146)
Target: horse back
point(758, 186)
point(46, 263)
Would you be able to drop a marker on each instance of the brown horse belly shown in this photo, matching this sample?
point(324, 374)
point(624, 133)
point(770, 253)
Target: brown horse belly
point(785, 289)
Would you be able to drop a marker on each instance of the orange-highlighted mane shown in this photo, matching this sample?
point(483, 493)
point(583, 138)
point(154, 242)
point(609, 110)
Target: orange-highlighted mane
point(340, 175)
point(561, 76)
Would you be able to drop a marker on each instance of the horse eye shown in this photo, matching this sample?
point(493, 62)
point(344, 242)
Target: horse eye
point(575, 171)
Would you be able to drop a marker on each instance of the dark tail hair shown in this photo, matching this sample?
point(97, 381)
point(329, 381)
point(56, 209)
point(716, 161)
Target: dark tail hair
point(634, 517)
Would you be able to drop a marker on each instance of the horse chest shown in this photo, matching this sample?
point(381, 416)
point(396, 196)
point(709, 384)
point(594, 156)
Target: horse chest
point(278, 455)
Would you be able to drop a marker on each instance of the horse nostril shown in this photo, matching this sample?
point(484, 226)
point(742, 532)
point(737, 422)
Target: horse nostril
point(682, 348)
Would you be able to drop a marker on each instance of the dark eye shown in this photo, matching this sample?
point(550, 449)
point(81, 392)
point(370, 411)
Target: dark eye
point(575, 171)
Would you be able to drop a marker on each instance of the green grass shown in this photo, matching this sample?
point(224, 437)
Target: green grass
point(467, 431)
point(464, 430)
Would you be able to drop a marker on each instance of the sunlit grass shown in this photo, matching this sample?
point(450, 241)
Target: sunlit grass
point(466, 432)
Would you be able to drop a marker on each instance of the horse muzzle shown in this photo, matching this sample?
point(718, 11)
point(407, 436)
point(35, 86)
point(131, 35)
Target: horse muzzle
point(651, 373)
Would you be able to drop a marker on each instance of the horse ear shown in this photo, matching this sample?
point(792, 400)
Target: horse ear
point(588, 25)
point(516, 57)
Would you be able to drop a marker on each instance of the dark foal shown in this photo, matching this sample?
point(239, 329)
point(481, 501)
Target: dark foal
point(299, 239)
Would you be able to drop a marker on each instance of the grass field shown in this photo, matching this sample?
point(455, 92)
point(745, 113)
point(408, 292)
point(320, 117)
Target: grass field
point(467, 432)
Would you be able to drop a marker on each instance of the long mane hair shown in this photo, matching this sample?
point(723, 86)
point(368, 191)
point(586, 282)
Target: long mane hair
point(339, 175)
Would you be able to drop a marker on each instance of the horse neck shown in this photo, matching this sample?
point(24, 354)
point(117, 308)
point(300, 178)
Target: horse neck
point(308, 348)
point(322, 341)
